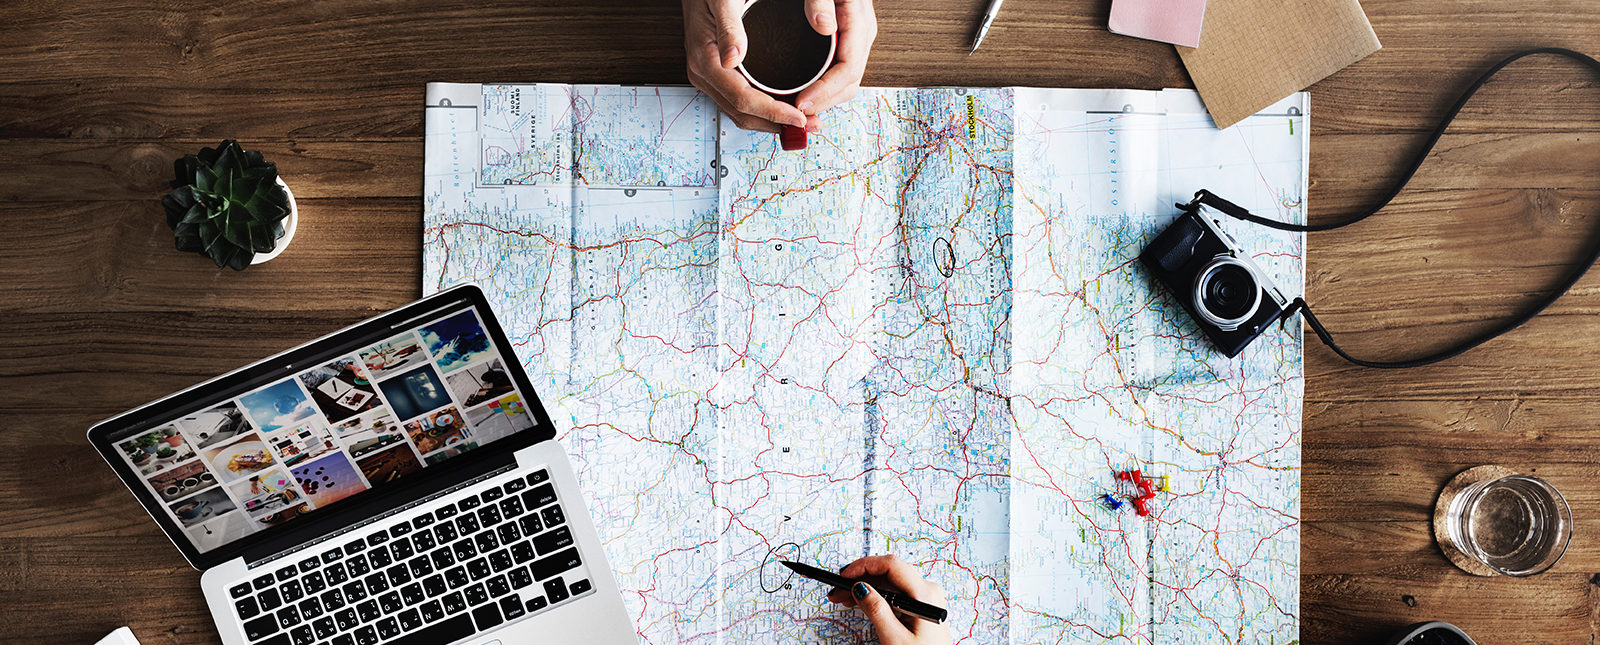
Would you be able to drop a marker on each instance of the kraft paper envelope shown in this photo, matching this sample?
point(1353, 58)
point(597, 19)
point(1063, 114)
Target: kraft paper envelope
point(1255, 52)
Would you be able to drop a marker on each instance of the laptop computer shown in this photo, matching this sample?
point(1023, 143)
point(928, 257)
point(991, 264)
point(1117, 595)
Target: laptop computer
point(396, 482)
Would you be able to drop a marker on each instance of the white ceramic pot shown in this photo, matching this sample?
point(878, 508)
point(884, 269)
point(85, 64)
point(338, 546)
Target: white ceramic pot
point(288, 228)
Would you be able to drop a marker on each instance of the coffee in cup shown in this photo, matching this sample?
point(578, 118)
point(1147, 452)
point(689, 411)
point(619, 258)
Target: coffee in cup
point(786, 54)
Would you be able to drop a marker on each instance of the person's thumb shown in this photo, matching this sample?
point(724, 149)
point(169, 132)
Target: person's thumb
point(871, 603)
point(731, 43)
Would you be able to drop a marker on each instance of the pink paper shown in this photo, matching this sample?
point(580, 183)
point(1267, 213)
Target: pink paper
point(1169, 21)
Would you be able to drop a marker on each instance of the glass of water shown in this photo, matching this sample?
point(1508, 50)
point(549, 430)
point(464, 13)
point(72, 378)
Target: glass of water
point(1517, 525)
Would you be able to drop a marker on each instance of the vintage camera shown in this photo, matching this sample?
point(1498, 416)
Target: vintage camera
point(1215, 281)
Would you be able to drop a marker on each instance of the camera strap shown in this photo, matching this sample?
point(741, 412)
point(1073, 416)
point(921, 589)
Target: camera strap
point(1207, 198)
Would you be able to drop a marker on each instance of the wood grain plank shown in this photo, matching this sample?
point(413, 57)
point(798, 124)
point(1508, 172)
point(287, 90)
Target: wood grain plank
point(1549, 608)
point(86, 170)
point(111, 256)
point(213, 71)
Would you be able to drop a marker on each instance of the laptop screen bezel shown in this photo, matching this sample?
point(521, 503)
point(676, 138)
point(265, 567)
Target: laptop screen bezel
point(286, 364)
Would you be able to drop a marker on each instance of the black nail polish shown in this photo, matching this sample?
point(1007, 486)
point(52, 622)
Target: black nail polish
point(860, 590)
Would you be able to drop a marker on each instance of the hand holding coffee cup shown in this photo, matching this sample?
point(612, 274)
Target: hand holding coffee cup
point(717, 43)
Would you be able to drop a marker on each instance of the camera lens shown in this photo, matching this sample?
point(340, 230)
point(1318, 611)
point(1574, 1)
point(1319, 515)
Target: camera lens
point(1227, 293)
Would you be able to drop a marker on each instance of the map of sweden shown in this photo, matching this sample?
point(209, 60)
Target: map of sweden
point(925, 335)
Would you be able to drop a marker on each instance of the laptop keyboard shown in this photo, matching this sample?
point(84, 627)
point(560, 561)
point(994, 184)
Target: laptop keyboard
point(495, 556)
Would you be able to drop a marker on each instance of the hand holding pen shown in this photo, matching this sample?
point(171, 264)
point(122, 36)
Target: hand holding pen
point(893, 628)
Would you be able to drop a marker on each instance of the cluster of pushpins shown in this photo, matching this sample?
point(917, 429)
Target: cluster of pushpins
point(1146, 490)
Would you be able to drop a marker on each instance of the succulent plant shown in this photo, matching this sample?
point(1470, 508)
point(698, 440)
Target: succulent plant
point(226, 204)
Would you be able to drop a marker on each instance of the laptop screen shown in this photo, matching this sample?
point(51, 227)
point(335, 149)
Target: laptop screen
point(376, 413)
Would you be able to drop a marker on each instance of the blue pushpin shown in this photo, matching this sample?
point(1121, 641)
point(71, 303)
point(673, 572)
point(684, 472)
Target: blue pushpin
point(1112, 502)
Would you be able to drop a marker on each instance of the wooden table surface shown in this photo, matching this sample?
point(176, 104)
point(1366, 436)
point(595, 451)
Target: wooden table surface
point(101, 314)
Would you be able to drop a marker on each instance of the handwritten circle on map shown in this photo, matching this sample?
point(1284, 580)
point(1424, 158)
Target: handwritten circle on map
point(772, 570)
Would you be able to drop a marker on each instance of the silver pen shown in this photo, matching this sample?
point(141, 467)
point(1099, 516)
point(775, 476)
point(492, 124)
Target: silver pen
point(988, 19)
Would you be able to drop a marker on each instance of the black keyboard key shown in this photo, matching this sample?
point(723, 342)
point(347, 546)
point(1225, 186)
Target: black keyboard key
point(401, 549)
point(434, 585)
point(464, 550)
point(486, 541)
point(288, 617)
point(358, 567)
point(453, 602)
point(276, 639)
point(468, 504)
point(262, 582)
point(456, 576)
point(500, 560)
point(442, 559)
point(332, 556)
point(387, 628)
point(448, 631)
point(390, 602)
point(511, 507)
point(410, 619)
point(422, 521)
point(553, 541)
point(260, 628)
point(346, 620)
point(530, 524)
point(311, 608)
point(420, 567)
point(468, 524)
point(492, 495)
point(398, 575)
point(307, 565)
point(522, 552)
point(335, 575)
point(509, 533)
point(537, 603)
point(284, 573)
point(580, 586)
point(538, 477)
point(355, 547)
point(424, 541)
point(399, 529)
point(355, 591)
point(412, 593)
point(511, 607)
point(479, 568)
point(431, 611)
point(325, 627)
point(556, 590)
point(368, 611)
point(487, 616)
point(520, 578)
point(333, 600)
point(477, 595)
point(498, 586)
point(538, 496)
point(377, 538)
point(366, 636)
point(377, 583)
point(552, 565)
point(240, 591)
point(515, 485)
point(247, 608)
point(446, 532)
point(269, 599)
point(302, 635)
point(553, 516)
point(344, 639)
point(445, 513)
point(380, 558)
point(292, 591)
point(314, 582)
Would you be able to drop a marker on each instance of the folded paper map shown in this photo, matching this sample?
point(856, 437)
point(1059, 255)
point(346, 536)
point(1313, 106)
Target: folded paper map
point(926, 334)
